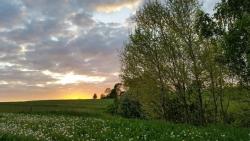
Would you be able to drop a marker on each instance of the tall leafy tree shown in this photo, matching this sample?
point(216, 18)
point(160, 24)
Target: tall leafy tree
point(164, 48)
point(233, 20)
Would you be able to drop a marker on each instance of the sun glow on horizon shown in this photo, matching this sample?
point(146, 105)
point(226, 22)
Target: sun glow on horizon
point(76, 95)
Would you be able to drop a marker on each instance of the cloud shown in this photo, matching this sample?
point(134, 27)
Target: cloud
point(82, 19)
point(72, 78)
point(11, 13)
point(117, 6)
point(70, 45)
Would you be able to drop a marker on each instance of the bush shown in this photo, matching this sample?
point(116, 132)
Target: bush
point(242, 119)
point(130, 108)
point(126, 106)
point(113, 108)
point(178, 112)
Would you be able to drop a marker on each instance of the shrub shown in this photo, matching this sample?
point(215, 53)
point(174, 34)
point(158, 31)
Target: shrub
point(113, 108)
point(242, 119)
point(127, 106)
point(130, 108)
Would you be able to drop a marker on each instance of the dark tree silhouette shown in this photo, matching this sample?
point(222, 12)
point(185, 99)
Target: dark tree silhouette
point(103, 96)
point(115, 91)
point(95, 96)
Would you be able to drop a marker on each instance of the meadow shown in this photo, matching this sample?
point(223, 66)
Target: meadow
point(87, 120)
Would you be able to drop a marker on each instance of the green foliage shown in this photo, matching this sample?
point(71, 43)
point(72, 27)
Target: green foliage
point(231, 10)
point(175, 55)
point(127, 106)
point(184, 59)
point(73, 128)
point(205, 25)
point(239, 106)
point(242, 118)
point(130, 108)
point(79, 125)
point(233, 19)
point(237, 48)
point(113, 108)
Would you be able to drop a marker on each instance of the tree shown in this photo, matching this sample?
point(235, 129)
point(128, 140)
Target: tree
point(107, 91)
point(173, 54)
point(229, 31)
point(233, 20)
point(115, 92)
point(102, 96)
point(163, 48)
point(216, 72)
point(95, 96)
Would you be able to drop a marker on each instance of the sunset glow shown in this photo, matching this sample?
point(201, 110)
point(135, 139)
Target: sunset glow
point(76, 95)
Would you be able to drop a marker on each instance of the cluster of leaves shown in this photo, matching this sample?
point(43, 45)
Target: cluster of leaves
point(127, 106)
point(230, 25)
point(179, 60)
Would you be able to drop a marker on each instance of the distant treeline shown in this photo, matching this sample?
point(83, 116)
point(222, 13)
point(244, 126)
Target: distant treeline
point(111, 93)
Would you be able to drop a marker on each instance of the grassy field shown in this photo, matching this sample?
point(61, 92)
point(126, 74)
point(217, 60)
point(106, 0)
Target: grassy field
point(87, 120)
point(93, 108)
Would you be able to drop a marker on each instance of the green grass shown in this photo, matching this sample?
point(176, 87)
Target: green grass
point(87, 120)
point(69, 107)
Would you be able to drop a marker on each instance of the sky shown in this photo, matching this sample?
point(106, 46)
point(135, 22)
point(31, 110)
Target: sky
point(63, 49)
